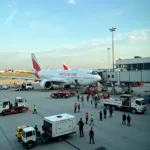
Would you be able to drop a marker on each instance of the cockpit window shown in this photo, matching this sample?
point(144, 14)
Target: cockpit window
point(93, 73)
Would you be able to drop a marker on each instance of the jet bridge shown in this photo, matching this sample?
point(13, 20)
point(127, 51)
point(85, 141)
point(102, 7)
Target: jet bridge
point(127, 76)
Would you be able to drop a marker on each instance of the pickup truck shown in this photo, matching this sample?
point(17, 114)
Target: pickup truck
point(126, 103)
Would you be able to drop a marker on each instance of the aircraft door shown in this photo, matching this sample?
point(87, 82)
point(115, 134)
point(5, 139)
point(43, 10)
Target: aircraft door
point(76, 82)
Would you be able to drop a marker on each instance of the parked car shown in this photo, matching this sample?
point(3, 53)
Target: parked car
point(61, 94)
point(3, 87)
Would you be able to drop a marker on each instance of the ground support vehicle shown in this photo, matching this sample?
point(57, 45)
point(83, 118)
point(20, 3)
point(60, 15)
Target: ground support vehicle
point(19, 131)
point(54, 127)
point(3, 87)
point(7, 107)
point(25, 86)
point(105, 96)
point(90, 90)
point(136, 84)
point(127, 103)
point(147, 96)
point(62, 94)
point(104, 89)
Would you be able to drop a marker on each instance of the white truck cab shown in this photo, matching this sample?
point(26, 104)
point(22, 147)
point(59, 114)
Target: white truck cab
point(7, 104)
point(126, 102)
point(56, 126)
point(26, 86)
point(20, 102)
point(29, 85)
point(4, 105)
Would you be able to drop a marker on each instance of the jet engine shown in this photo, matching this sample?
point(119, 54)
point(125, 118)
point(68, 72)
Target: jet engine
point(46, 84)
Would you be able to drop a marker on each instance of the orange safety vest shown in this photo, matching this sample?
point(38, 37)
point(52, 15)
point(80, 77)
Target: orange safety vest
point(75, 105)
point(86, 116)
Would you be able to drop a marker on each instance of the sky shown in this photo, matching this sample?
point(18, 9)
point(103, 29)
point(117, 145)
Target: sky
point(75, 32)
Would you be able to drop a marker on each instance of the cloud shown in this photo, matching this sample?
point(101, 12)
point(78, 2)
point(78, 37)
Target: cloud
point(12, 13)
point(11, 16)
point(72, 1)
point(86, 54)
point(138, 36)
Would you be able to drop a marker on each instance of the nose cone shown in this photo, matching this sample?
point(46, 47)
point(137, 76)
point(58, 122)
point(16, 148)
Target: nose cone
point(98, 78)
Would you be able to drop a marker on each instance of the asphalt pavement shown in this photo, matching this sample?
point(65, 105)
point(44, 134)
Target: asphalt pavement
point(110, 134)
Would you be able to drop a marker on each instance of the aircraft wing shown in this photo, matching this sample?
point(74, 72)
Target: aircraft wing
point(23, 78)
point(54, 80)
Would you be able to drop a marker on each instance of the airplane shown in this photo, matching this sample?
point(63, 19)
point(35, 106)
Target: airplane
point(49, 78)
point(6, 70)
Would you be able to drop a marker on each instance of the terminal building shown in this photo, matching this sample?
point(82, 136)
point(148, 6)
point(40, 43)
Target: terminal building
point(136, 63)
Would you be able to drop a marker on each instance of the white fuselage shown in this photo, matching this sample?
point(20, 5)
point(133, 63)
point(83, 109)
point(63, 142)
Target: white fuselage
point(69, 77)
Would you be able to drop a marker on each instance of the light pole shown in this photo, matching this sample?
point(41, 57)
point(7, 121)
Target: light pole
point(108, 58)
point(112, 30)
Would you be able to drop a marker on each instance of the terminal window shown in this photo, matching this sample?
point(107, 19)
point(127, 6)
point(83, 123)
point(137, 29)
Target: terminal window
point(147, 66)
point(140, 66)
point(108, 76)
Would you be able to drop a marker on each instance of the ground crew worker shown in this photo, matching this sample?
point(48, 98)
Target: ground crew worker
point(110, 111)
point(77, 91)
point(124, 118)
point(87, 98)
point(101, 95)
point(86, 118)
point(78, 107)
point(75, 108)
point(35, 109)
point(81, 124)
point(91, 134)
point(36, 128)
point(105, 113)
point(96, 104)
point(19, 136)
point(95, 97)
point(98, 98)
point(82, 99)
point(91, 120)
point(128, 120)
point(78, 97)
point(91, 99)
point(100, 115)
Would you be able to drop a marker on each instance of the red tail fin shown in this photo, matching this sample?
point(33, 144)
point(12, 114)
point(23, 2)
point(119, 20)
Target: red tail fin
point(35, 63)
point(65, 67)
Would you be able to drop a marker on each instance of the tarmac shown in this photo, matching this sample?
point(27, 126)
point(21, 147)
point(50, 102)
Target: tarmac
point(110, 134)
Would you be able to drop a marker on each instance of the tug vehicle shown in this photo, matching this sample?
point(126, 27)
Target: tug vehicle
point(7, 107)
point(25, 86)
point(62, 94)
point(54, 127)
